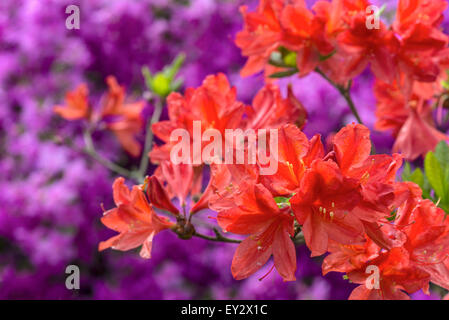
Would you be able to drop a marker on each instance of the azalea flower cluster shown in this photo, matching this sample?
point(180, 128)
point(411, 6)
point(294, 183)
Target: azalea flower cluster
point(345, 201)
point(340, 38)
point(338, 198)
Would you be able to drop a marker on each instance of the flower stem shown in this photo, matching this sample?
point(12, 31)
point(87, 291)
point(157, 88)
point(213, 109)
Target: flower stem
point(90, 150)
point(218, 237)
point(144, 161)
point(345, 92)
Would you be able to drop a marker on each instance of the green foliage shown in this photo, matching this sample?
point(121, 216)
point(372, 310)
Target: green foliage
point(283, 74)
point(164, 82)
point(290, 59)
point(324, 58)
point(445, 83)
point(434, 181)
point(283, 58)
point(282, 201)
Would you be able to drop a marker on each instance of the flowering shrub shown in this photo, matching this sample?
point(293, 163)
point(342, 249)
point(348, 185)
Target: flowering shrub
point(334, 194)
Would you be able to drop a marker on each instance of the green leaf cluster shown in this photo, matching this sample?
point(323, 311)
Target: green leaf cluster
point(434, 181)
point(164, 82)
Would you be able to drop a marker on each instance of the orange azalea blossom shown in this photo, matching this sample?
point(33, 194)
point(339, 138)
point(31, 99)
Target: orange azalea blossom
point(347, 193)
point(427, 230)
point(77, 104)
point(305, 34)
point(417, 137)
point(355, 45)
point(414, 12)
point(223, 184)
point(323, 206)
point(179, 180)
point(295, 154)
point(408, 266)
point(362, 46)
point(214, 104)
point(255, 213)
point(270, 110)
point(158, 195)
point(409, 119)
point(262, 35)
point(346, 258)
point(397, 274)
point(124, 120)
point(376, 176)
point(135, 220)
point(417, 28)
point(334, 36)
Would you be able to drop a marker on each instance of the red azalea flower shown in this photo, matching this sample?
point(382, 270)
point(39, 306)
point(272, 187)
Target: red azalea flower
point(179, 180)
point(397, 274)
point(270, 110)
point(305, 34)
point(323, 206)
point(417, 137)
point(391, 107)
point(411, 13)
point(375, 174)
point(410, 119)
point(158, 195)
point(256, 213)
point(77, 104)
point(359, 46)
point(293, 145)
point(224, 181)
point(213, 103)
point(124, 120)
point(347, 258)
point(427, 230)
point(134, 219)
point(262, 34)
point(355, 45)
point(416, 27)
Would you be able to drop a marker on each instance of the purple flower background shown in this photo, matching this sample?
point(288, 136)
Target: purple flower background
point(50, 194)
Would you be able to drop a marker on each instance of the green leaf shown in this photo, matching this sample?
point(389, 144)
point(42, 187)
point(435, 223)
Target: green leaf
point(163, 83)
point(435, 175)
point(173, 69)
point(290, 59)
point(442, 154)
point(381, 10)
point(392, 216)
point(147, 76)
point(445, 83)
point(406, 172)
point(324, 58)
point(283, 74)
point(281, 199)
point(417, 176)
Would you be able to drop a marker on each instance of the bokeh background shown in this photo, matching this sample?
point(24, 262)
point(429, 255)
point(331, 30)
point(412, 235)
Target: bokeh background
point(50, 195)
